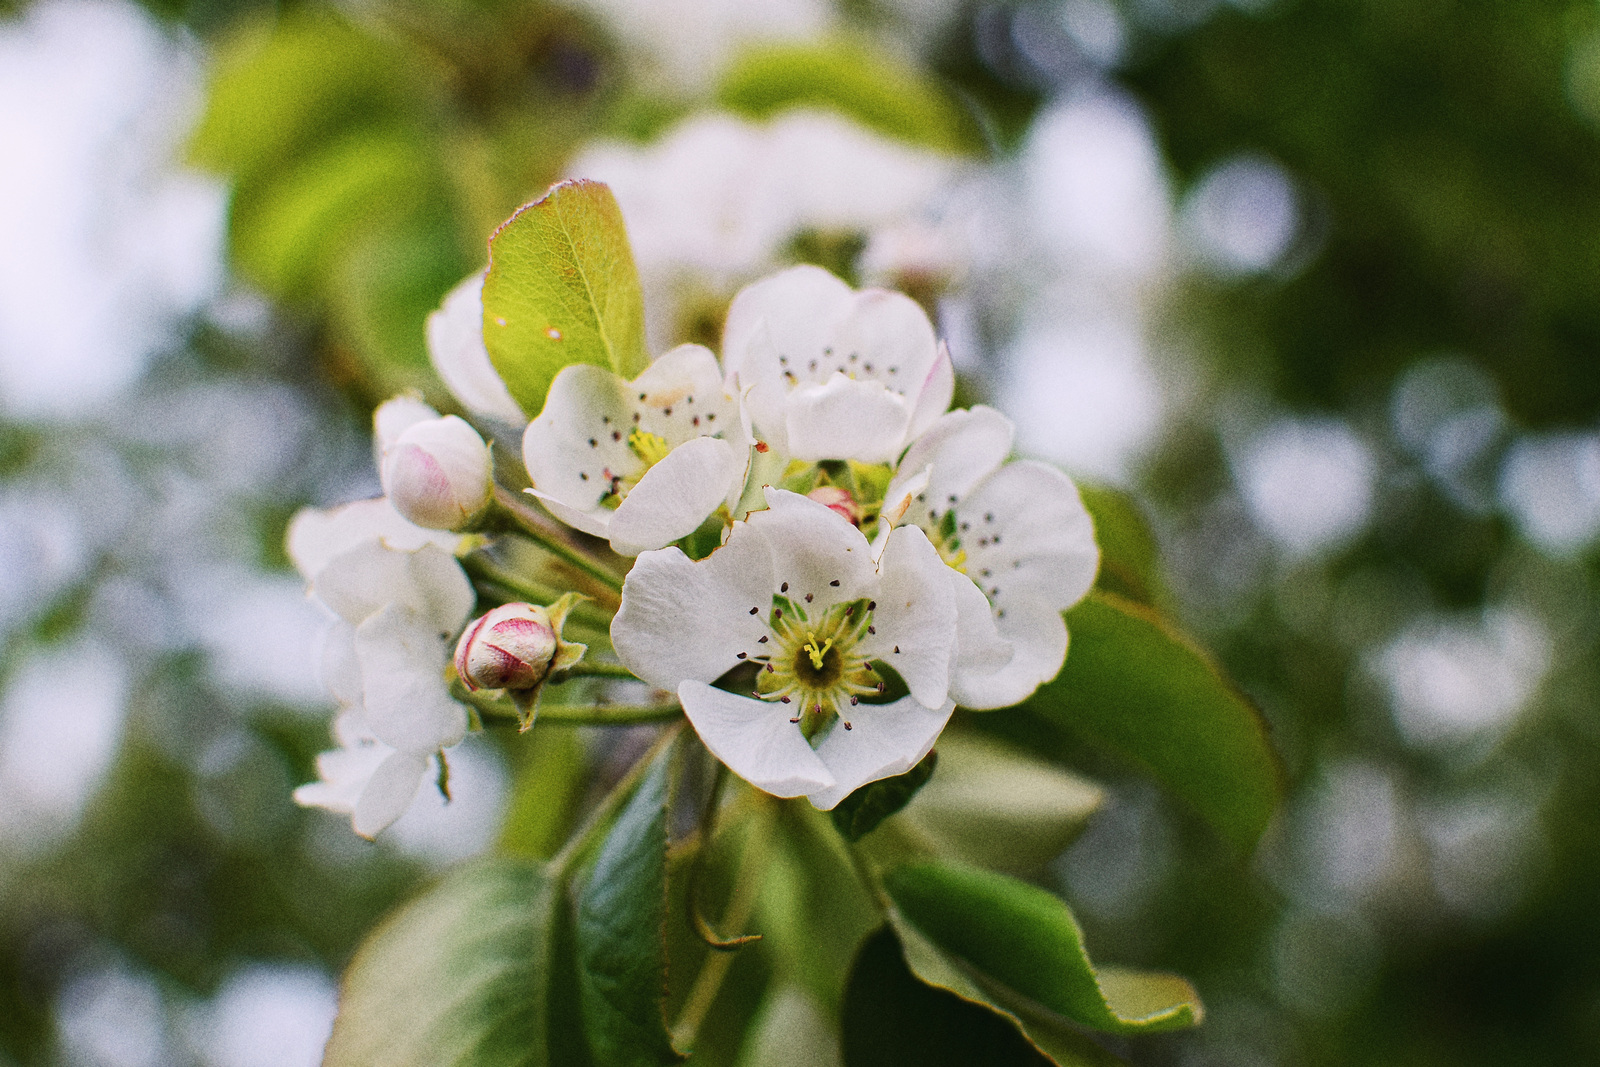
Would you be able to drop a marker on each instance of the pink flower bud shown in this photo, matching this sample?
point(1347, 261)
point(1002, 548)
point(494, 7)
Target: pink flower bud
point(512, 647)
point(838, 500)
point(437, 473)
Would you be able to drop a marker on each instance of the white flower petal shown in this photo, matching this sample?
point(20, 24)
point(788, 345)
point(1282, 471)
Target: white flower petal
point(886, 739)
point(681, 396)
point(1038, 638)
point(316, 535)
point(793, 313)
point(961, 448)
point(935, 395)
point(428, 582)
point(916, 614)
point(755, 739)
point(681, 620)
point(585, 404)
point(341, 673)
point(404, 694)
point(813, 547)
point(891, 334)
point(455, 345)
point(845, 418)
point(389, 793)
point(677, 494)
point(980, 651)
point(1030, 534)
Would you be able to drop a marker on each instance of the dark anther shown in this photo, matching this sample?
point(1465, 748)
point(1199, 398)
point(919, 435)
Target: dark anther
point(897, 650)
point(755, 611)
point(834, 583)
point(784, 588)
point(854, 701)
point(882, 686)
point(744, 655)
point(847, 726)
point(872, 605)
point(872, 629)
point(769, 666)
point(762, 639)
point(777, 613)
point(809, 597)
point(592, 443)
point(785, 700)
point(795, 719)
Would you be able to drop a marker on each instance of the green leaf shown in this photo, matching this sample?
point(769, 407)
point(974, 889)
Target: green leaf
point(894, 1014)
point(1128, 561)
point(562, 289)
point(860, 813)
point(621, 932)
point(1023, 942)
point(289, 235)
point(1133, 686)
point(277, 90)
point(460, 975)
point(850, 77)
point(992, 806)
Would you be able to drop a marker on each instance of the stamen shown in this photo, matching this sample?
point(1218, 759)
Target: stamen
point(813, 651)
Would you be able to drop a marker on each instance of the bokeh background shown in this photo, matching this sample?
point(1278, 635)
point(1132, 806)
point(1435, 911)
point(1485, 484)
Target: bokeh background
point(1316, 281)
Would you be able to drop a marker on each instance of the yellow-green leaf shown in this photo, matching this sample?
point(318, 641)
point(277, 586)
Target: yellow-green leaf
point(562, 289)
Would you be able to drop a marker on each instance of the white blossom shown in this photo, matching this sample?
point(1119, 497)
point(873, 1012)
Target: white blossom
point(455, 345)
point(827, 372)
point(397, 597)
point(795, 590)
point(1019, 544)
point(641, 463)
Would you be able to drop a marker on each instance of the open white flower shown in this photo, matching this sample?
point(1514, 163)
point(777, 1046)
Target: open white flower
point(455, 344)
point(827, 372)
point(363, 778)
point(641, 463)
point(795, 591)
point(398, 598)
point(1018, 533)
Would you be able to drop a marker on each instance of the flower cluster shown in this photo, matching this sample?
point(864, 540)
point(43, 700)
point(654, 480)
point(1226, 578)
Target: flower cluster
point(821, 561)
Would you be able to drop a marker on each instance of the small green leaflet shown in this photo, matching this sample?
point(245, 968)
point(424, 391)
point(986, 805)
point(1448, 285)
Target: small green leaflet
point(562, 288)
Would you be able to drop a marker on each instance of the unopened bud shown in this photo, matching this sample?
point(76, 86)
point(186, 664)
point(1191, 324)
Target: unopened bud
point(512, 647)
point(838, 500)
point(437, 473)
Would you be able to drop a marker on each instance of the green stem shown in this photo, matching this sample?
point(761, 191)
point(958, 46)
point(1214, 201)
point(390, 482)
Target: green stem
point(551, 539)
point(578, 845)
point(501, 707)
point(608, 714)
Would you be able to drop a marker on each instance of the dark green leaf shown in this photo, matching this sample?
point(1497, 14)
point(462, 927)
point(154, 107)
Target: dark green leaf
point(621, 934)
point(1023, 942)
point(461, 975)
point(860, 813)
point(562, 289)
point(1133, 686)
point(896, 1014)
